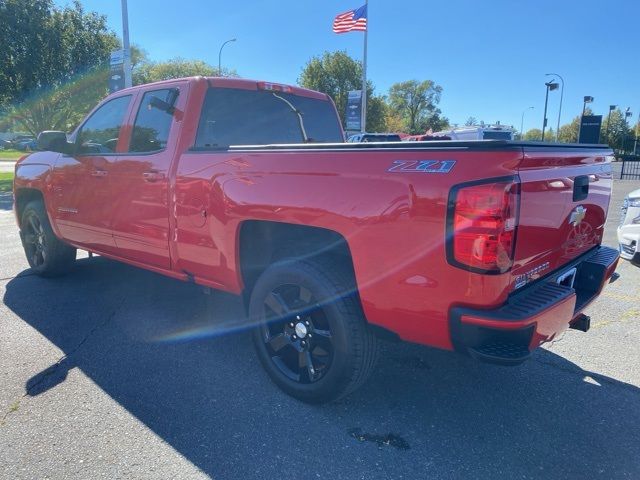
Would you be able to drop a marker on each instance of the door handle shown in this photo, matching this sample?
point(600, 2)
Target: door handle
point(153, 176)
point(99, 173)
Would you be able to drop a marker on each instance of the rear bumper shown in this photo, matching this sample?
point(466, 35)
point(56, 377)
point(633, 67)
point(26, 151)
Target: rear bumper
point(537, 314)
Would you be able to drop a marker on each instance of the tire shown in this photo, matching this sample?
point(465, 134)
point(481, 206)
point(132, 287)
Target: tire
point(48, 256)
point(310, 332)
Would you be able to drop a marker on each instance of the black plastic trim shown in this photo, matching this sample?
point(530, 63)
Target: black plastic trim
point(451, 205)
point(480, 341)
point(468, 145)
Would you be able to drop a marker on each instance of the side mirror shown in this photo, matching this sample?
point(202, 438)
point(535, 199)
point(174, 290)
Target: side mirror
point(53, 141)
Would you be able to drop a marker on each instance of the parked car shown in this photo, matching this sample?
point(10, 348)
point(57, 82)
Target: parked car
point(20, 139)
point(374, 137)
point(248, 187)
point(629, 229)
point(26, 145)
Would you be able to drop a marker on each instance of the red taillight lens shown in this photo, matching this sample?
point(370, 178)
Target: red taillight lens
point(482, 226)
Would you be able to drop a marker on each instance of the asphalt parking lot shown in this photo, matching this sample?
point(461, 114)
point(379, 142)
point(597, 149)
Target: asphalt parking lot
point(114, 372)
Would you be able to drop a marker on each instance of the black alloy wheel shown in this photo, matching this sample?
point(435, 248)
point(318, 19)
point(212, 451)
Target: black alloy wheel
point(310, 332)
point(297, 333)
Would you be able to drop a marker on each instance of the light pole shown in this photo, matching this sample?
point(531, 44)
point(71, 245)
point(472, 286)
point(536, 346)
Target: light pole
point(635, 143)
point(125, 45)
point(220, 55)
point(627, 114)
point(522, 121)
point(586, 99)
point(559, 109)
point(611, 109)
point(550, 86)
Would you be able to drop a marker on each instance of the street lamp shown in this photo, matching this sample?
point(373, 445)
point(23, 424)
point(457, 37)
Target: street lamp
point(560, 108)
point(586, 99)
point(220, 55)
point(522, 120)
point(627, 114)
point(611, 109)
point(635, 143)
point(550, 86)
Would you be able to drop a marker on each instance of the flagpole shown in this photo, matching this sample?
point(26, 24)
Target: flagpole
point(363, 126)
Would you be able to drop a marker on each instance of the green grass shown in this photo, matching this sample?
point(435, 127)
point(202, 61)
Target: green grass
point(6, 181)
point(10, 155)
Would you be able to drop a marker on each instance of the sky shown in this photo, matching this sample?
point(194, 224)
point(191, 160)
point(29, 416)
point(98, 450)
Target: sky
point(490, 57)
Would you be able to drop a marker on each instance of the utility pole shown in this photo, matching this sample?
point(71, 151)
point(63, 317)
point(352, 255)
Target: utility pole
point(125, 46)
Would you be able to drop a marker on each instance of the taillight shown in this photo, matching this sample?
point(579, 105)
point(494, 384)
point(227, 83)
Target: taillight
point(482, 224)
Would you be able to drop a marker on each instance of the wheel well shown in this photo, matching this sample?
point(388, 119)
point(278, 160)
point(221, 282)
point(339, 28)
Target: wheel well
point(262, 243)
point(23, 197)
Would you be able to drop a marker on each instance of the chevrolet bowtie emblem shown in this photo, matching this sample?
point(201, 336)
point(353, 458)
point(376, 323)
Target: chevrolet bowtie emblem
point(577, 215)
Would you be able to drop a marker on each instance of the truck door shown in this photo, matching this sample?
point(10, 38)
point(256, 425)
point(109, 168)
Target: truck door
point(81, 184)
point(140, 218)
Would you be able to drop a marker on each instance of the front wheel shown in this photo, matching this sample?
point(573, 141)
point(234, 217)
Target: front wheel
point(47, 255)
point(311, 335)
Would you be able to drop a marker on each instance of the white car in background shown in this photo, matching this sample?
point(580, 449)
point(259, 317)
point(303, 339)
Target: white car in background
point(629, 229)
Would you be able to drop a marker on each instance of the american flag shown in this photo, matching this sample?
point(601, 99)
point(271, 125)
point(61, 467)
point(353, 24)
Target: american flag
point(353, 20)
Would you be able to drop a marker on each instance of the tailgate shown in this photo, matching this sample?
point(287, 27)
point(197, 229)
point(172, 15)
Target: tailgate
point(564, 199)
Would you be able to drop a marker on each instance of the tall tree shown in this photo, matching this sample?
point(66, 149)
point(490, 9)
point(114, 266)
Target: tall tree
point(335, 73)
point(615, 129)
point(415, 102)
point(434, 122)
point(147, 72)
point(46, 53)
point(535, 135)
point(471, 121)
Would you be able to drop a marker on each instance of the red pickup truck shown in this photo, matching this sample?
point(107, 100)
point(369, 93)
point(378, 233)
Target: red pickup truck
point(489, 248)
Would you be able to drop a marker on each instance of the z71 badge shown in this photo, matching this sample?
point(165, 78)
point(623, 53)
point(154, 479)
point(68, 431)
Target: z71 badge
point(422, 166)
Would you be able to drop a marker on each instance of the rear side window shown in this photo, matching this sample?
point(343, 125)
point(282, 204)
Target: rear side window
point(255, 117)
point(101, 131)
point(152, 125)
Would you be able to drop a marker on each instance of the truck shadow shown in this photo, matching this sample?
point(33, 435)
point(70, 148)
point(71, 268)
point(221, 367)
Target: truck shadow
point(179, 361)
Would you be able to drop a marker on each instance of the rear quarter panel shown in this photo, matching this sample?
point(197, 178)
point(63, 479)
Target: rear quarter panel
point(393, 222)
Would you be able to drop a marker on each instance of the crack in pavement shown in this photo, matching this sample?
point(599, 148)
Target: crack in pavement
point(55, 367)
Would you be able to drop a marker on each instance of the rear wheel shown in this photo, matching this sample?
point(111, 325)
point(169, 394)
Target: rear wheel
point(47, 255)
point(311, 335)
